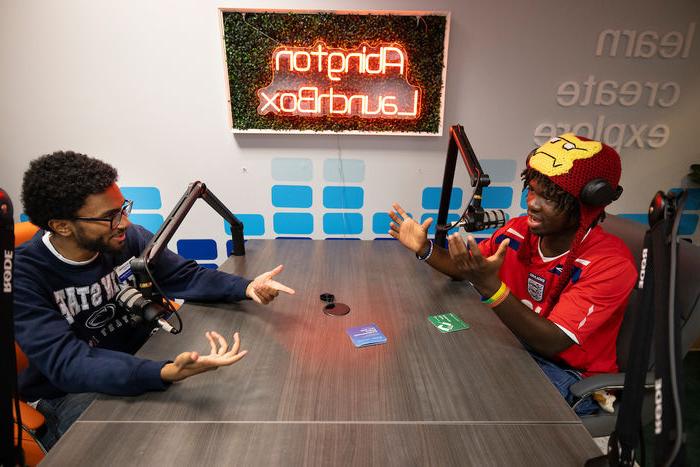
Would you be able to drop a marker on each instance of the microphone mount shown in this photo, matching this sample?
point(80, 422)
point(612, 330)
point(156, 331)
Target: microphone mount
point(140, 266)
point(474, 217)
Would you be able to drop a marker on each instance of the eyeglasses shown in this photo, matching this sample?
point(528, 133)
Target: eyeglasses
point(115, 219)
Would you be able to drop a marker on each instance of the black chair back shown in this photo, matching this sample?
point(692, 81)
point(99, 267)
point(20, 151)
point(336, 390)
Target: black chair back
point(687, 288)
point(632, 233)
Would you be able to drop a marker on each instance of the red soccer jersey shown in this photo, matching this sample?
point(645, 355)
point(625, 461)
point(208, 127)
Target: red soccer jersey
point(591, 306)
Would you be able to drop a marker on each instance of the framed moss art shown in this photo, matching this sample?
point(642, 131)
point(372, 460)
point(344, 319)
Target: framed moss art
point(336, 72)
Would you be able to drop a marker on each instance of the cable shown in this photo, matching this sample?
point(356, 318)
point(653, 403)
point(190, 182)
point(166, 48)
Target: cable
point(342, 180)
point(671, 331)
point(169, 305)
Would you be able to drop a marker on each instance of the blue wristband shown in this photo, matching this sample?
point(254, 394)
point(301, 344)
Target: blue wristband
point(427, 255)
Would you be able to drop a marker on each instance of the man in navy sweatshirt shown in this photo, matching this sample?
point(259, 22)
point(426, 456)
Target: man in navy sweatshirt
point(78, 341)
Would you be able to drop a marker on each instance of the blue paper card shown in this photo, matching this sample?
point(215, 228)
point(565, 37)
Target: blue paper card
point(368, 334)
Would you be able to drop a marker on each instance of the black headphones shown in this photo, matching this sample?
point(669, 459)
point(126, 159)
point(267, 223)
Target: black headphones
point(597, 192)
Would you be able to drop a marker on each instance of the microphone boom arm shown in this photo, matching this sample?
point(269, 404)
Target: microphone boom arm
point(195, 190)
point(459, 143)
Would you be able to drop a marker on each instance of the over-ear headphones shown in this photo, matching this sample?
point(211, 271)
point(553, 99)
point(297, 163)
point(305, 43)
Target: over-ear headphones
point(596, 193)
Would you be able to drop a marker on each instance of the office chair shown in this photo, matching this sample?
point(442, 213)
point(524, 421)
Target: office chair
point(24, 231)
point(32, 419)
point(688, 302)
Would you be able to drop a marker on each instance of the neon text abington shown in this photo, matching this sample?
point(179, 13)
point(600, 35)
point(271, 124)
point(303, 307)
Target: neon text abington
point(367, 82)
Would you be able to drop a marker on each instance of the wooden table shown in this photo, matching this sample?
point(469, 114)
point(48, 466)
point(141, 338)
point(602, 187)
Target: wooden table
point(304, 395)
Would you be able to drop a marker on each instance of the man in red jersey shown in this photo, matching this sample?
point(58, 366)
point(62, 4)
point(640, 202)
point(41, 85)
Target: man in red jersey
point(554, 277)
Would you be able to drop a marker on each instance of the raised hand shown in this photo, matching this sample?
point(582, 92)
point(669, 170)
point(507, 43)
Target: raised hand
point(264, 289)
point(191, 363)
point(410, 233)
point(480, 271)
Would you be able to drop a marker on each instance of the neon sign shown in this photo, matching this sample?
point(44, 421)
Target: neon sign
point(369, 81)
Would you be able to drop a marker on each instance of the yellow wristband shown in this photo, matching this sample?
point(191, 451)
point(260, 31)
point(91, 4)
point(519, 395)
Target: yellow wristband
point(499, 300)
point(501, 290)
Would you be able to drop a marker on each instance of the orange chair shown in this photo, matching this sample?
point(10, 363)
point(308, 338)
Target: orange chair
point(32, 419)
point(24, 231)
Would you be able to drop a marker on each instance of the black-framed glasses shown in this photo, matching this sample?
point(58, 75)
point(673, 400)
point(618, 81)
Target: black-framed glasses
point(114, 219)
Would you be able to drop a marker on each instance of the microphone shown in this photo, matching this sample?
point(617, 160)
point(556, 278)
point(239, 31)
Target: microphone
point(478, 219)
point(134, 302)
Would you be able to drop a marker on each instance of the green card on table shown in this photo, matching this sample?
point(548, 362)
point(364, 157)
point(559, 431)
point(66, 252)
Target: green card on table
point(448, 322)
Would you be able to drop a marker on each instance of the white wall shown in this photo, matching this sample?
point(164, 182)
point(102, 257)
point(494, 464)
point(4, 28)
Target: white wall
point(141, 84)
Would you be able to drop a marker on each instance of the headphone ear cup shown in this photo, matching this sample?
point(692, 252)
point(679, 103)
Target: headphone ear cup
point(598, 192)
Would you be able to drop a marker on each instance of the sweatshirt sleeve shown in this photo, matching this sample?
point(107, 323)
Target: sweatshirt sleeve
point(182, 278)
point(69, 363)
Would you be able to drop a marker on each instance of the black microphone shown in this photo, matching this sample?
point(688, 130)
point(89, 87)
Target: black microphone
point(478, 219)
point(134, 302)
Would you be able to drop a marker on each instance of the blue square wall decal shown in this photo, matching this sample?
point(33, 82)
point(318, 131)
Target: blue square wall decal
point(450, 218)
point(144, 197)
point(293, 223)
point(342, 223)
point(497, 197)
point(151, 222)
point(343, 197)
point(289, 169)
point(197, 248)
point(381, 221)
point(292, 196)
point(253, 224)
point(431, 198)
point(345, 171)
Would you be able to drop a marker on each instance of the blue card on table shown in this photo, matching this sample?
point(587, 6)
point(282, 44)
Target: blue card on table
point(368, 334)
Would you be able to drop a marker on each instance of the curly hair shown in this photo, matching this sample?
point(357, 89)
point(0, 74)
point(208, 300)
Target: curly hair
point(55, 186)
point(565, 202)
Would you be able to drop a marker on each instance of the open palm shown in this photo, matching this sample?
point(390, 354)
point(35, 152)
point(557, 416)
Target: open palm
point(405, 229)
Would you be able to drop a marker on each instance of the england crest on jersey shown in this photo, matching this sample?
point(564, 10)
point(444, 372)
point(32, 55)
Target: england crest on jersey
point(535, 286)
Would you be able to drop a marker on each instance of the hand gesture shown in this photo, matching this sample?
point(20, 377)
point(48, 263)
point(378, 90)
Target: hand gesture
point(263, 289)
point(410, 233)
point(191, 363)
point(480, 271)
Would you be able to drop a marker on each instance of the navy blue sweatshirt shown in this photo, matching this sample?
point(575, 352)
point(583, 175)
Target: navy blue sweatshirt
point(76, 338)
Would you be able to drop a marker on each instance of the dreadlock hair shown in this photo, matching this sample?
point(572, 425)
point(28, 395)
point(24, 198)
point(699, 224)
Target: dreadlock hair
point(55, 186)
point(565, 202)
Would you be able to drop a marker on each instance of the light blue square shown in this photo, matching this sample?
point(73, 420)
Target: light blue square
point(289, 169)
point(347, 170)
